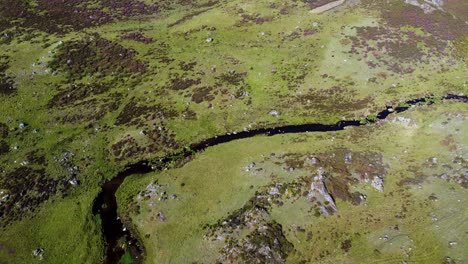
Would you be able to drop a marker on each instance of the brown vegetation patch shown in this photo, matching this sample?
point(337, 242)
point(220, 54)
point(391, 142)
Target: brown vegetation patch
point(4, 130)
point(292, 73)
point(189, 114)
point(90, 110)
point(339, 188)
point(346, 245)
point(7, 85)
point(255, 18)
point(9, 250)
point(440, 24)
point(137, 36)
point(334, 99)
point(4, 147)
point(202, 94)
point(126, 148)
point(230, 78)
point(36, 157)
point(182, 83)
point(395, 48)
point(187, 66)
point(58, 16)
point(363, 165)
point(159, 138)
point(266, 244)
point(137, 113)
point(95, 55)
point(71, 93)
point(413, 181)
point(26, 189)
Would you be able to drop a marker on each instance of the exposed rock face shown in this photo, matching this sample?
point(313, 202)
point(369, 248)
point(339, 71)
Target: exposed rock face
point(319, 191)
point(428, 6)
point(377, 183)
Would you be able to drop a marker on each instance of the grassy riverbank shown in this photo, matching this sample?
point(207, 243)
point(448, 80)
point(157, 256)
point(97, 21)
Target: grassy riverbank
point(415, 217)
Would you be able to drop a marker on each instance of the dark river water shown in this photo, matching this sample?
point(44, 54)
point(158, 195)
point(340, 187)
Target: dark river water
point(105, 204)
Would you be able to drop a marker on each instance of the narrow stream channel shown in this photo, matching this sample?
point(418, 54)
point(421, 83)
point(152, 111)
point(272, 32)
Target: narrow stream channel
point(114, 232)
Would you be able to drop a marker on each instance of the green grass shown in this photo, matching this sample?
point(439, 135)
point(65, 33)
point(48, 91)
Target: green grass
point(307, 79)
point(215, 184)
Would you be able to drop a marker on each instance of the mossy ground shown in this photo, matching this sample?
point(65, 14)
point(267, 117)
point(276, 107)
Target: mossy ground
point(114, 83)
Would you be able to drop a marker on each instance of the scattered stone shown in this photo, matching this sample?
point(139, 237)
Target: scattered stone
point(274, 191)
point(161, 216)
point(449, 260)
point(312, 160)
point(363, 197)
point(38, 253)
point(274, 113)
point(377, 183)
point(251, 166)
point(348, 159)
point(73, 181)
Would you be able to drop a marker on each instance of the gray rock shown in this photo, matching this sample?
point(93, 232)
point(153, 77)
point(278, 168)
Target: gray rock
point(274, 113)
point(162, 217)
point(38, 253)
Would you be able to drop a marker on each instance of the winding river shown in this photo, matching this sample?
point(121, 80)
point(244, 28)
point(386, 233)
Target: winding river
point(105, 204)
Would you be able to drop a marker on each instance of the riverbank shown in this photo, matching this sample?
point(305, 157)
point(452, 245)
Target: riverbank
point(113, 228)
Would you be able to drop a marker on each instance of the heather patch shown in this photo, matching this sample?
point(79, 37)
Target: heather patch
point(71, 93)
point(247, 19)
point(24, 189)
point(88, 111)
point(400, 50)
point(336, 99)
point(137, 36)
point(94, 55)
point(154, 137)
point(57, 16)
point(7, 85)
point(136, 113)
point(439, 24)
